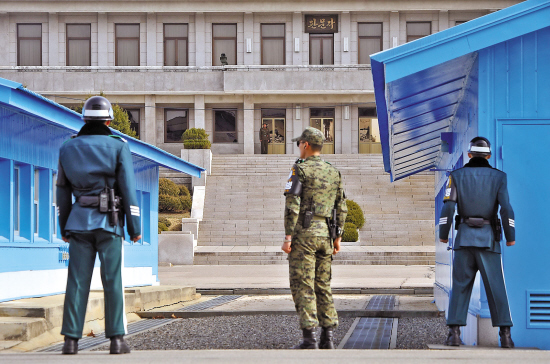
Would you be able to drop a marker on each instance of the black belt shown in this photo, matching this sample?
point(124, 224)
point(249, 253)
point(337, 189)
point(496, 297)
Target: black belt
point(88, 201)
point(475, 221)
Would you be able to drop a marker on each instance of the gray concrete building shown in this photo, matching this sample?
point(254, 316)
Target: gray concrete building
point(225, 66)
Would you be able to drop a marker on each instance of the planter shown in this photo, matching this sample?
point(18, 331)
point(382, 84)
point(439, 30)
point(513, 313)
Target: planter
point(201, 158)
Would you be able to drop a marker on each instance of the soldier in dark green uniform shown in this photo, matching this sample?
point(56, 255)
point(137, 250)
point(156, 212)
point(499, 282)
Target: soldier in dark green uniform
point(477, 190)
point(96, 167)
point(264, 138)
point(315, 212)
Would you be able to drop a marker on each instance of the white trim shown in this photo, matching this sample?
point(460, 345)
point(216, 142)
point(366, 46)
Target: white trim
point(96, 113)
point(505, 290)
point(480, 149)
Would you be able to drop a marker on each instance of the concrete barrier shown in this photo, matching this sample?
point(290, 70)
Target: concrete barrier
point(176, 247)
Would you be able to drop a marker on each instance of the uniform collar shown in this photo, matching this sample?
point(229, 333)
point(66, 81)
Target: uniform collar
point(94, 128)
point(313, 158)
point(478, 162)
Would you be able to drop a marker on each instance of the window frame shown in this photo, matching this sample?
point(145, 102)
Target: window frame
point(27, 38)
point(416, 36)
point(67, 38)
point(36, 201)
point(283, 38)
point(166, 120)
point(127, 38)
point(164, 39)
point(128, 110)
point(359, 37)
point(226, 38)
point(236, 131)
point(17, 200)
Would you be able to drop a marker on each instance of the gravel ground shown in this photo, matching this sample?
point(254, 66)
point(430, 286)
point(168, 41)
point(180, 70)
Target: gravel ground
point(227, 332)
point(418, 332)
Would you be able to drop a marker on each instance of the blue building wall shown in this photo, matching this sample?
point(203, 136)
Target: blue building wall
point(513, 93)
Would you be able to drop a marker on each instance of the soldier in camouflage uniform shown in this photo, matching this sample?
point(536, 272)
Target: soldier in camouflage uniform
point(264, 138)
point(313, 190)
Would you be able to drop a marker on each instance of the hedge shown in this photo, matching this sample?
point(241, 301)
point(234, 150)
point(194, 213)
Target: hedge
point(195, 138)
point(350, 233)
point(167, 187)
point(165, 221)
point(355, 214)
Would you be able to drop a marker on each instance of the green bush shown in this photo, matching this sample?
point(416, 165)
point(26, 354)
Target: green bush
point(162, 227)
point(350, 233)
point(184, 191)
point(186, 203)
point(170, 204)
point(177, 227)
point(167, 187)
point(165, 221)
point(195, 138)
point(355, 214)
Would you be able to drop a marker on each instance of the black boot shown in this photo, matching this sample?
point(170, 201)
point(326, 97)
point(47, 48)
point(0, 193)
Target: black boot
point(327, 336)
point(310, 341)
point(454, 336)
point(506, 337)
point(118, 345)
point(70, 346)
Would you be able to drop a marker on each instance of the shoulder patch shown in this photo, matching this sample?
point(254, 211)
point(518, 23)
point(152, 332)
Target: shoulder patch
point(118, 137)
point(298, 161)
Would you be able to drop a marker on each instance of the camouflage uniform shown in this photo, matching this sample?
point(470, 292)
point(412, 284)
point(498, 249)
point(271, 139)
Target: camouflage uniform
point(310, 259)
point(264, 139)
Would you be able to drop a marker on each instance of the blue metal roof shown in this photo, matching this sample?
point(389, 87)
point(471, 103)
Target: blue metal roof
point(15, 95)
point(418, 86)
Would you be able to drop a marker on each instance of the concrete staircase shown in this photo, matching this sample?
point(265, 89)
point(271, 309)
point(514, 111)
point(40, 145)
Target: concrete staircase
point(243, 213)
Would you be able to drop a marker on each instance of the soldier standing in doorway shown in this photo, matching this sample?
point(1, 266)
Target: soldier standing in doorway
point(96, 167)
point(315, 212)
point(264, 138)
point(477, 190)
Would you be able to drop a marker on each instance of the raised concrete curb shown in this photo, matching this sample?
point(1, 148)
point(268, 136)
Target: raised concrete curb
point(279, 291)
point(176, 247)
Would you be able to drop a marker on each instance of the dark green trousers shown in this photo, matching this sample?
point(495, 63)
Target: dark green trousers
point(83, 248)
point(466, 263)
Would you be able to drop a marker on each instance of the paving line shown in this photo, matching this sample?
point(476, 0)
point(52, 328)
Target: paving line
point(87, 343)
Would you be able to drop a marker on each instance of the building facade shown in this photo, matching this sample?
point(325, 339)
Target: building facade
point(225, 66)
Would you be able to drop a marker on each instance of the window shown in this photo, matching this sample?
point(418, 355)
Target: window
point(55, 219)
point(224, 40)
point(36, 199)
point(127, 44)
point(458, 22)
point(175, 123)
point(321, 49)
point(370, 40)
point(29, 44)
point(175, 44)
point(417, 30)
point(133, 116)
point(79, 45)
point(16, 200)
point(273, 44)
point(225, 126)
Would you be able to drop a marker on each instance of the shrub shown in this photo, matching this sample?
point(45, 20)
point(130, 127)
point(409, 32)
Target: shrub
point(170, 204)
point(162, 227)
point(195, 138)
point(165, 221)
point(177, 227)
point(355, 214)
point(350, 233)
point(184, 191)
point(186, 203)
point(167, 187)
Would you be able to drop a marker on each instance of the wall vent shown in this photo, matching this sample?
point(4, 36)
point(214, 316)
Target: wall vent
point(538, 309)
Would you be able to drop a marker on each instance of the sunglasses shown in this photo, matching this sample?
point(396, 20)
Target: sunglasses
point(299, 142)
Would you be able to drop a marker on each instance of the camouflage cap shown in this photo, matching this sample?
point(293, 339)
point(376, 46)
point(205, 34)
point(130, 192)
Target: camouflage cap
point(312, 136)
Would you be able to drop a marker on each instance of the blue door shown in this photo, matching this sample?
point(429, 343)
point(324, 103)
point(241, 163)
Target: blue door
point(523, 146)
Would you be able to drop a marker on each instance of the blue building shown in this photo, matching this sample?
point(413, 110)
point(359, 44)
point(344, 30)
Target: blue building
point(489, 77)
point(33, 258)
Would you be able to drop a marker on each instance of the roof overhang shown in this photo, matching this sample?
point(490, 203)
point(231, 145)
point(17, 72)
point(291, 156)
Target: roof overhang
point(15, 95)
point(419, 85)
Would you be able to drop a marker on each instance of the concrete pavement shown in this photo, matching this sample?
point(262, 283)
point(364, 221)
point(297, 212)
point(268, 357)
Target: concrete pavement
point(486, 356)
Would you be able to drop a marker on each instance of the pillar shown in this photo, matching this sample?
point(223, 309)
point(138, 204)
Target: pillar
point(152, 39)
point(4, 39)
point(345, 23)
point(150, 125)
point(200, 113)
point(200, 35)
point(443, 20)
point(249, 39)
point(248, 129)
point(394, 29)
point(297, 32)
point(53, 40)
point(102, 41)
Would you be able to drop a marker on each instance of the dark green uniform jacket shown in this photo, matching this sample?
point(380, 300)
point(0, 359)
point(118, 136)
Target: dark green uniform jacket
point(94, 159)
point(477, 190)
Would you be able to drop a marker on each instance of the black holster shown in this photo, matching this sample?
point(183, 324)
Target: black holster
point(497, 228)
point(107, 202)
point(333, 227)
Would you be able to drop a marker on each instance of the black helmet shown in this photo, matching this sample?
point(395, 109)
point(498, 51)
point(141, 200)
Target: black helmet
point(480, 147)
point(97, 108)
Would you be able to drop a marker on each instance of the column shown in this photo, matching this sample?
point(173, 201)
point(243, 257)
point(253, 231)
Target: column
point(151, 39)
point(297, 126)
point(53, 40)
point(297, 32)
point(200, 49)
point(345, 23)
point(249, 39)
point(150, 127)
point(443, 20)
point(248, 129)
point(102, 41)
point(4, 39)
point(346, 129)
point(394, 29)
point(200, 113)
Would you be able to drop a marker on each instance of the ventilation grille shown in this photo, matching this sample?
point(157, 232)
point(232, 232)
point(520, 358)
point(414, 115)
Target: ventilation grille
point(538, 307)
